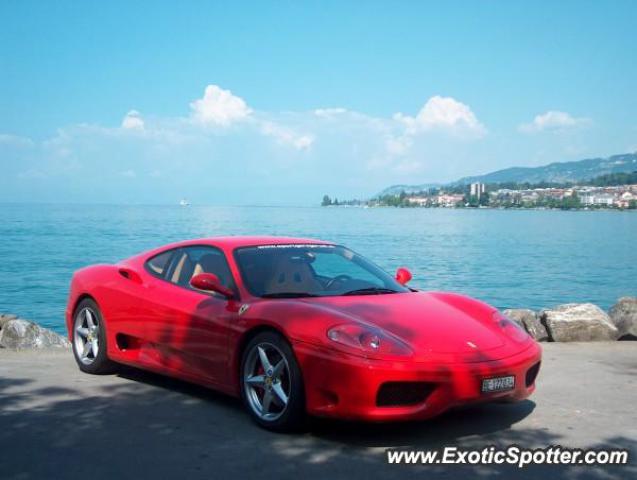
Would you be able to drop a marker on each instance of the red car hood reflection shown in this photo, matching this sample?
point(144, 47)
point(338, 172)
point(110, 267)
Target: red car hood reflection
point(431, 323)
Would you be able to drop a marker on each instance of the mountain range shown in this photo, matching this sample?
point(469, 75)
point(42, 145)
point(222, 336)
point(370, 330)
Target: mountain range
point(558, 172)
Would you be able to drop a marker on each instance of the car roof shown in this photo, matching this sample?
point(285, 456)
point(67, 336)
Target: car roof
point(248, 241)
point(237, 241)
point(228, 244)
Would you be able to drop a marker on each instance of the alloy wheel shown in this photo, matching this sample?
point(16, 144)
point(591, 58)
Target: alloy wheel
point(266, 381)
point(86, 335)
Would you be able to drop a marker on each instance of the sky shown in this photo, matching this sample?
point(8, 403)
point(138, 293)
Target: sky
point(278, 103)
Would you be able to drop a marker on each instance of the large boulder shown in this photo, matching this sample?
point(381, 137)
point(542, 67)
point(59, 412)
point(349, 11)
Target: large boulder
point(18, 334)
point(624, 317)
point(578, 322)
point(529, 321)
point(5, 317)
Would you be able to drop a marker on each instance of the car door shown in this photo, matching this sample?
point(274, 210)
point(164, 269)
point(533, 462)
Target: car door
point(190, 329)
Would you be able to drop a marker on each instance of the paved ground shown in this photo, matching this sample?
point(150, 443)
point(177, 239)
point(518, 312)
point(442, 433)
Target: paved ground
point(58, 423)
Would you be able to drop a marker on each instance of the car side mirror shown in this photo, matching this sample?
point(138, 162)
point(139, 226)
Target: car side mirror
point(209, 282)
point(403, 276)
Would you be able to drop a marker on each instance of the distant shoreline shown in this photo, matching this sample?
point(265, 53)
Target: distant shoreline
point(417, 207)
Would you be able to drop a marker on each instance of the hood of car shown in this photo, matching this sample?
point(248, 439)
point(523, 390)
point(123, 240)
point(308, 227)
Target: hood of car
point(430, 323)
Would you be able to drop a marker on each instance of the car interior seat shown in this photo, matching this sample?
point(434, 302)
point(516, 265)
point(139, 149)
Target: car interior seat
point(291, 274)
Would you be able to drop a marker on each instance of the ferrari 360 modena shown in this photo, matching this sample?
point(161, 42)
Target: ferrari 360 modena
point(297, 327)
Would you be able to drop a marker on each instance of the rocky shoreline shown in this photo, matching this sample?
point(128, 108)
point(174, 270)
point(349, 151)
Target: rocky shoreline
point(20, 334)
point(579, 322)
point(571, 322)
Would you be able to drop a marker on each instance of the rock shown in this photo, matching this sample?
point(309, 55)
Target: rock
point(578, 322)
point(18, 333)
point(528, 320)
point(624, 317)
point(5, 317)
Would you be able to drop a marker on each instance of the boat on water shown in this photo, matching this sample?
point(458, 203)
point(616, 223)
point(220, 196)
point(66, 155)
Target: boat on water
point(184, 203)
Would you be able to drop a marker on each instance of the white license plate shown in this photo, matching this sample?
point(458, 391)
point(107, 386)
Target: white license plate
point(498, 384)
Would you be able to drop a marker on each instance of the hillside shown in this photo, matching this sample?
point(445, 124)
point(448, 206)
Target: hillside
point(558, 172)
point(396, 189)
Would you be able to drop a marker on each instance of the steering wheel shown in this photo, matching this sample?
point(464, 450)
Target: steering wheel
point(337, 278)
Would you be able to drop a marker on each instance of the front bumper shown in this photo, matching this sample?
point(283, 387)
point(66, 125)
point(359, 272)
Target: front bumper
point(346, 386)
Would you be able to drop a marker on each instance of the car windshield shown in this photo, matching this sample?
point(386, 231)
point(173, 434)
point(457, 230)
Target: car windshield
point(311, 270)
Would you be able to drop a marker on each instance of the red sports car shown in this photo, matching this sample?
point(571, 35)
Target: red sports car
point(294, 327)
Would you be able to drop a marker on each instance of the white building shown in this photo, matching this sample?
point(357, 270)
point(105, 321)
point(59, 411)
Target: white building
point(422, 201)
point(477, 189)
point(597, 198)
point(625, 199)
point(449, 199)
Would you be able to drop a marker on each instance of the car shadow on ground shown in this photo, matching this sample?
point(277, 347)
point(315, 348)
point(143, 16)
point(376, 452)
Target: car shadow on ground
point(480, 419)
point(335, 446)
point(178, 386)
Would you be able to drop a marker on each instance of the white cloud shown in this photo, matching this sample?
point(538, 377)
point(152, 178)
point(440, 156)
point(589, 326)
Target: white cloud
point(337, 148)
point(398, 146)
point(329, 112)
point(15, 141)
point(133, 121)
point(553, 120)
point(444, 113)
point(219, 107)
point(286, 136)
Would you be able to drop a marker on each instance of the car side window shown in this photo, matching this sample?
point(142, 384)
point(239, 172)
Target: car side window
point(191, 261)
point(158, 265)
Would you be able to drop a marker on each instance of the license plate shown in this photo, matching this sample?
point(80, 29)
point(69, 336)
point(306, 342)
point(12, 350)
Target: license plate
point(498, 384)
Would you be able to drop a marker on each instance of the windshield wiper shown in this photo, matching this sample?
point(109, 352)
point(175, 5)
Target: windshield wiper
point(288, 295)
point(370, 291)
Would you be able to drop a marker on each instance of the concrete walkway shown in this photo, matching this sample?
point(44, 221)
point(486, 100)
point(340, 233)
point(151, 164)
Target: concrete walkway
point(57, 423)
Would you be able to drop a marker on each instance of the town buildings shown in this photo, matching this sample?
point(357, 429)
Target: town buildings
point(622, 196)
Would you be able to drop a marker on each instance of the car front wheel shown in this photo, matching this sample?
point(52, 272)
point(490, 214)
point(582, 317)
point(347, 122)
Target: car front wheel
point(271, 383)
point(89, 339)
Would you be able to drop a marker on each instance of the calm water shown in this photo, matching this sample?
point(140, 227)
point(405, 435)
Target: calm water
point(529, 259)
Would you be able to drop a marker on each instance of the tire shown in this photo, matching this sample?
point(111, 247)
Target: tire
point(279, 377)
point(89, 328)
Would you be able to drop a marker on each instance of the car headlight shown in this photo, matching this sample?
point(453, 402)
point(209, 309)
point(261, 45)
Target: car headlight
point(511, 328)
point(368, 340)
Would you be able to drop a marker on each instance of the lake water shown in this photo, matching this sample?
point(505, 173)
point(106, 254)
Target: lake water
point(530, 258)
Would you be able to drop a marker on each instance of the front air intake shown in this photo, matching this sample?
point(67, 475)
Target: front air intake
point(531, 374)
point(400, 394)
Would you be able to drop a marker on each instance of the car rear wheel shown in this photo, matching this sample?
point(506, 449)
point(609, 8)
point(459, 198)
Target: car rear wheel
point(89, 339)
point(271, 383)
